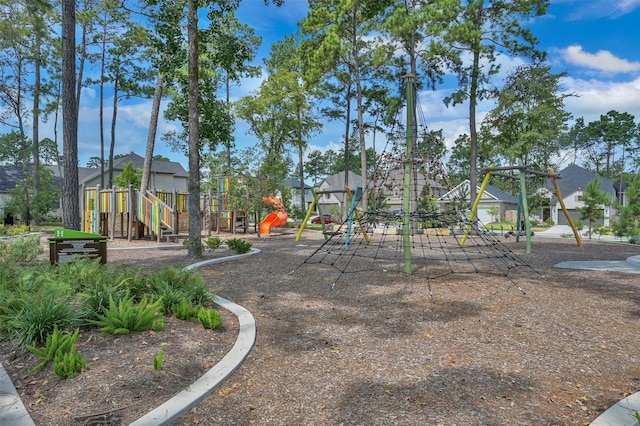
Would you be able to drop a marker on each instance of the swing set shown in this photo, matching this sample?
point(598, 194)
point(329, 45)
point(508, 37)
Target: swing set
point(523, 173)
point(353, 196)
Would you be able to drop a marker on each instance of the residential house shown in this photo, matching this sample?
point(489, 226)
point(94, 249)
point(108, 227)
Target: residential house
point(491, 197)
point(392, 188)
point(165, 175)
point(296, 193)
point(332, 195)
point(572, 182)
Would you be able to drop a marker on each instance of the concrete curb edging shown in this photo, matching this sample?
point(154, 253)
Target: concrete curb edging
point(12, 410)
point(201, 388)
point(622, 413)
point(184, 401)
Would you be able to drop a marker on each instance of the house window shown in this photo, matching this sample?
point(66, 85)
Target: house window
point(578, 198)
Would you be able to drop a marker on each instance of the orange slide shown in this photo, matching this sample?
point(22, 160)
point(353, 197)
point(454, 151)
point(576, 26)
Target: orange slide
point(275, 219)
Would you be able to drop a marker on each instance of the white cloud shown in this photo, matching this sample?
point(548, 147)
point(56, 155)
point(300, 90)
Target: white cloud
point(603, 60)
point(599, 97)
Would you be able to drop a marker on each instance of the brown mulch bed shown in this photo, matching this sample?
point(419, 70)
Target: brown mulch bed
point(375, 349)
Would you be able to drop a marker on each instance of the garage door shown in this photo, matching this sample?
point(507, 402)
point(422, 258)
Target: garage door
point(576, 215)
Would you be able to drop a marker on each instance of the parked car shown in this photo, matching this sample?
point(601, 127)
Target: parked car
point(327, 219)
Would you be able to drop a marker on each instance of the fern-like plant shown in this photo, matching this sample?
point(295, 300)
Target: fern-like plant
point(240, 246)
point(158, 325)
point(68, 364)
point(56, 343)
point(158, 360)
point(126, 316)
point(185, 311)
point(213, 243)
point(209, 318)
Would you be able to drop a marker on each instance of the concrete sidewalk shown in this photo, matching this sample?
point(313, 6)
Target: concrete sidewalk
point(565, 231)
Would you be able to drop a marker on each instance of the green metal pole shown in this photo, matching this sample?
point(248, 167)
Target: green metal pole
point(525, 210)
point(408, 168)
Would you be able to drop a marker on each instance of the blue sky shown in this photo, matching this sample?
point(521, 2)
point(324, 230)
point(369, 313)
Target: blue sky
point(596, 41)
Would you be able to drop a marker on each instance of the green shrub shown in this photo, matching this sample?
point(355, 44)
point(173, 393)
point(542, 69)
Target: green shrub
point(69, 364)
point(22, 250)
point(190, 284)
point(158, 360)
point(126, 316)
point(239, 245)
point(210, 318)
point(213, 243)
point(40, 314)
point(158, 325)
point(184, 310)
point(55, 344)
point(168, 297)
point(97, 298)
point(197, 244)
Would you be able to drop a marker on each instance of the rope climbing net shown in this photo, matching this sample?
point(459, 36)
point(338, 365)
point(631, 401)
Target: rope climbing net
point(375, 243)
point(415, 223)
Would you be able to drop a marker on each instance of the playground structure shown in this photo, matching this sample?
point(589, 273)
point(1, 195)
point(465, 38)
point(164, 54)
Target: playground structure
point(353, 196)
point(227, 209)
point(419, 241)
point(524, 172)
point(161, 214)
point(134, 214)
point(273, 219)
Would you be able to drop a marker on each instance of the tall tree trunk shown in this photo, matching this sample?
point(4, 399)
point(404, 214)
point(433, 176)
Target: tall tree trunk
point(101, 112)
point(114, 117)
point(346, 137)
point(36, 122)
point(195, 229)
point(227, 83)
point(360, 112)
point(70, 196)
point(473, 101)
point(151, 137)
point(473, 132)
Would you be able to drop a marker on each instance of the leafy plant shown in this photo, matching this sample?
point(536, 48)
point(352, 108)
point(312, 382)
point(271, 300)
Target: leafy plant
point(9, 230)
point(68, 364)
point(189, 284)
point(185, 310)
point(126, 316)
point(158, 325)
point(97, 298)
point(168, 297)
point(56, 344)
point(158, 360)
point(239, 245)
point(22, 250)
point(213, 243)
point(210, 318)
point(40, 314)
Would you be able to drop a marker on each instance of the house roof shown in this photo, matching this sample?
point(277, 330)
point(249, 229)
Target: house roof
point(575, 178)
point(337, 181)
point(11, 175)
point(490, 192)
point(295, 183)
point(157, 166)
